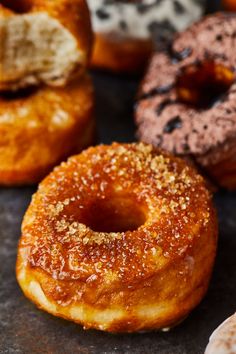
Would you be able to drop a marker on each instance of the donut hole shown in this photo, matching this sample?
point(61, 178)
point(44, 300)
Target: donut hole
point(116, 214)
point(17, 6)
point(205, 84)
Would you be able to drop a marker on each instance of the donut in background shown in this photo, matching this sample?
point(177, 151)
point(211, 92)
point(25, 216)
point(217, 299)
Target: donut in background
point(186, 102)
point(43, 41)
point(124, 30)
point(46, 96)
point(223, 339)
point(40, 127)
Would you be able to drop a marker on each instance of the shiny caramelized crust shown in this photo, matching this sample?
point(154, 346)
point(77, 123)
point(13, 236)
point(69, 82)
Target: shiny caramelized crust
point(72, 15)
point(40, 127)
point(127, 56)
point(121, 238)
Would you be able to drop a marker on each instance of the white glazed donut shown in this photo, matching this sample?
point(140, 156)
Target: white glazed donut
point(223, 339)
point(131, 24)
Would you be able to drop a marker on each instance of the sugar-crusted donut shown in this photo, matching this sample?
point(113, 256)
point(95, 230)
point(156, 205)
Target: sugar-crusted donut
point(223, 339)
point(43, 41)
point(187, 100)
point(121, 238)
point(40, 127)
point(124, 29)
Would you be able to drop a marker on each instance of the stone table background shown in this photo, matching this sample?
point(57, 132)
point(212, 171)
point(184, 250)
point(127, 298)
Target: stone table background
point(26, 330)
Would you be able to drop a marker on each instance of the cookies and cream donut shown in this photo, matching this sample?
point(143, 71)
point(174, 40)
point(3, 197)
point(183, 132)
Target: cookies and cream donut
point(120, 238)
point(223, 339)
point(40, 127)
point(43, 41)
point(186, 102)
point(124, 28)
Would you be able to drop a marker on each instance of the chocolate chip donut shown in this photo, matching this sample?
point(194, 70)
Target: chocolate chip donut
point(124, 28)
point(187, 101)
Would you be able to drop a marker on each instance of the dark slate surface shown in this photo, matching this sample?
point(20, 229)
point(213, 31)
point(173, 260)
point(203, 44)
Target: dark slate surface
point(24, 329)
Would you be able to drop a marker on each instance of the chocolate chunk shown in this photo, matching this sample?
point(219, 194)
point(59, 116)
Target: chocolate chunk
point(108, 2)
point(178, 7)
point(102, 14)
point(186, 147)
point(123, 25)
point(179, 56)
point(162, 33)
point(173, 124)
point(144, 8)
point(156, 91)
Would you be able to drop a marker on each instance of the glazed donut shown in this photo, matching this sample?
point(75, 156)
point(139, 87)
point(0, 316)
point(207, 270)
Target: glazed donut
point(43, 41)
point(223, 339)
point(186, 102)
point(124, 29)
point(121, 238)
point(41, 127)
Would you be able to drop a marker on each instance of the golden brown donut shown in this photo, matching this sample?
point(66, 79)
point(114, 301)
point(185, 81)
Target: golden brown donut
point(40, 127)
point(121, 238)
point(43, 41)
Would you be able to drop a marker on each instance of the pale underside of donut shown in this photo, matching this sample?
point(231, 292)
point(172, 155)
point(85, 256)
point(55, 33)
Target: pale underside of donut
point(35, 48)
point(102, 319)
point(223, 339)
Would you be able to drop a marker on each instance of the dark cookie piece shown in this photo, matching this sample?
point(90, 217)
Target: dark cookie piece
point(102, 14)
point(179, 8)
point(143, 8)
point(162, 32)
point(174, 123)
